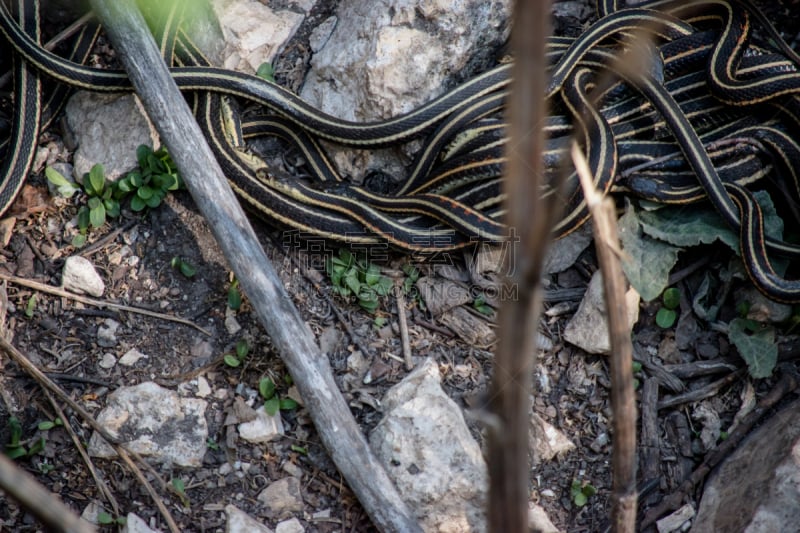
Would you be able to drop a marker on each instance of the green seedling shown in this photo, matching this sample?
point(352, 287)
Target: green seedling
point(266, 72)
point(235, 359)
point(184, 267)
point(234, 295)
point(668, 314)
point(107, 519)
point(581, 492)
point(30, 306)
point(272, 402)
point(299, 449)
point(180, 490)
point(148, 185)
point(15, 448)
point(480, 305)
point(211, 444)
point(50, 424)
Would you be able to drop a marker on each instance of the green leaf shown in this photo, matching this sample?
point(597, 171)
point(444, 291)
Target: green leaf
point(112, 207)
point(137, 204)
point(287, 404)
point(83, 218)
point(231, 360)
point(97, 180)
point(136, 179)
point(242, 348)
point(124, 185)
point(266, 387)
point(299, 449)
point(144, 192)
point(187, 270)
point(758, 348)
point(179, 485)
point(142, 153)
point(234, 297)
point(368, 301)
point(665, 318)
point(46, 425)
point(79, 240)
point(15, 428)
point(272, 405)
point(154, 201)
point(65, 187)
point(30, 307)
point(373, 275)
point(97, 213)
point(671, 298)
point(266, 72)
point(646, 262)
point(15, 452)
point(37, 448)
point(384, 286)
point(352, 283)
point(104, 518)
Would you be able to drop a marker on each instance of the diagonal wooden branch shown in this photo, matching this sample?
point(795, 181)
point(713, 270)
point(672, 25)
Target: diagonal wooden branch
point(292, 338)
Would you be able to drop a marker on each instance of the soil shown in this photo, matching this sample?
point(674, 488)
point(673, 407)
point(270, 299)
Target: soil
point(135, 258)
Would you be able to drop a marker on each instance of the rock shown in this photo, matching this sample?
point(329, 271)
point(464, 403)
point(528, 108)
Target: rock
point(564, 252)
point(134, 524)
point(588, 328)
point(156, 422)
point(241, 522)
point(232, 325)
point(254, 32)
point(131, 357)
point(79, 276)
point(757, 488)
point(400, 54)
point(203, 388)
point(425, 446)
point(283, 497)
point(263, 429)
point(292, 525)
point(545, 440)
point(539, 521)
point(107, 333)
point(107, 361)
point(108, 128)
point(676, 520)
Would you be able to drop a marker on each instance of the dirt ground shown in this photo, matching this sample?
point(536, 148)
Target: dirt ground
point(134, 257)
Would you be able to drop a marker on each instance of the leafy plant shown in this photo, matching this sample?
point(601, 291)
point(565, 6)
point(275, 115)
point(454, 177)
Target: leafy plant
point(14, 448)
point(480, 305)
point(180, 490)
point(581, 492)
point(354, 277)
point(668, 314)
point(149, 184)
point(235, 359)
point(272, 402)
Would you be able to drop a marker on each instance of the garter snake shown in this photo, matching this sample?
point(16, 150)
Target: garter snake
point(425, 212)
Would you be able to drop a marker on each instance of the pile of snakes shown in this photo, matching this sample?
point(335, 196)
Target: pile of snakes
point(713, 118)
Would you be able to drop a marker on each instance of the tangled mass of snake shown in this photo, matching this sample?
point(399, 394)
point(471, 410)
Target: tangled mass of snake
point(714, 118)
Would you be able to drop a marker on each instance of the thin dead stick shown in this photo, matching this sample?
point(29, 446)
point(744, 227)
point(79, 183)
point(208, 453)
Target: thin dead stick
point(126, 458)
point(41, 503)
point(101, 485)
point(55, 291)
point(292, 338)
point(531, 219)
point(401, 319)
point(623, 401)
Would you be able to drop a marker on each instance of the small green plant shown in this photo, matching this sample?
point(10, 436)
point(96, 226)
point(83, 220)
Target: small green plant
point(668, 314)
point(183, 266)
point(581, 492)
point(299, 449)
point(354, 277)
point(149, 184)
point(234, 295)
point(412, 275)
point(235, 359)
point(107, 519)
point(272, 402)
point(146, 186)
point(266, 71)
point(50, 424)
point(15, 449)
point(30, 306)
point(480, 305)
point(211, 444)
point(180, 490)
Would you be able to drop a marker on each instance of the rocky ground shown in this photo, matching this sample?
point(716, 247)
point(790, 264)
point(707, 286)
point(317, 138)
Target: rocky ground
point(193, 393)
